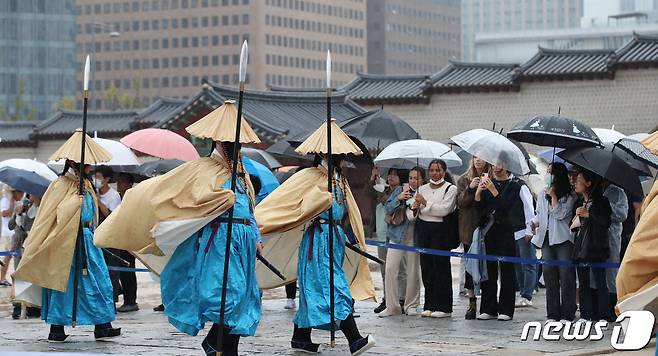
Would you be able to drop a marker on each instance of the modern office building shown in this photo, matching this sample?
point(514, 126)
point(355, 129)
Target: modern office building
point(490, 16)
point(151, 48)
point(412, 36)
point(37, 60)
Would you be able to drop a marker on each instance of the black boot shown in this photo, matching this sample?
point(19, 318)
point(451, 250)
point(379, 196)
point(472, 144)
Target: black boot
point(106, 331)
point(209, 343)
point(57, 333)
point(16, 313)
point(472, 308)
point(33, 312)
point(301, 341)
point(362, 345)
point(381, 307)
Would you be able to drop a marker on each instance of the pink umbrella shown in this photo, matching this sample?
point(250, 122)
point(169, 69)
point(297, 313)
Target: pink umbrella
point(161, 143)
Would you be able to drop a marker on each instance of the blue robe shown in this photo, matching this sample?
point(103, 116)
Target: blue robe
point(313, 273)
point(95, 299)
point(191, 282)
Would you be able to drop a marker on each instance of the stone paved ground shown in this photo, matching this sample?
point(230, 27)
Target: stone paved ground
point(147, 333)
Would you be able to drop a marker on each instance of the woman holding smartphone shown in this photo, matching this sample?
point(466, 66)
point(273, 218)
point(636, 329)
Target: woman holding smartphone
point(434, 201)
point(403, 198)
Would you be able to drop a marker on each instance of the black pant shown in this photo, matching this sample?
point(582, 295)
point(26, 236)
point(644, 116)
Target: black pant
point(128, 279)
point(499, 241)
point(435, 270)
point(347, 326)
point(112, 261)
point(230, 342)
point(594, 303)
point(468, 279)
point(291, 290)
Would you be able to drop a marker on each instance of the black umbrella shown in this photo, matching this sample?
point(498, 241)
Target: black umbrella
point(378, 129)
point(156, 168)
point(554, 131)
point(25, 181)
point(286, 154)
point(262, 157)
point(637, 150)
point(638, 166)
point(606, 164)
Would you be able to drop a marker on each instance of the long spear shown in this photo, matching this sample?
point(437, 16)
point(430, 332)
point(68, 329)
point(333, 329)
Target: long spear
point(78, 253)
point(330, 177)
point(244, 54)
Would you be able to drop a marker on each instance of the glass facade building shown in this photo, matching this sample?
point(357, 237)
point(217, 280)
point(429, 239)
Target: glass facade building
point(37, 61)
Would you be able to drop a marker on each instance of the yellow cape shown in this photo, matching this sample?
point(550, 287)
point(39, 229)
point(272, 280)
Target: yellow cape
point(160, 213)
point(48, 254)
point(282, 217)
point(639, 268)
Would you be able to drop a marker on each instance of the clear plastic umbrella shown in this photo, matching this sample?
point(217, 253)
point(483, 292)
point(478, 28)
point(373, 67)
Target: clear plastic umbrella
point(608, 135)
point(493, 148)
point(410, 153)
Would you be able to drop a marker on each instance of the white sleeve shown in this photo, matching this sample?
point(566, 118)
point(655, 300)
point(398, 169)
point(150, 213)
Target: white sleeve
point(113, 201)
point(528, 209)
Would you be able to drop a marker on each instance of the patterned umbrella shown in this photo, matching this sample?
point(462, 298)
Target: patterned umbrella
point(554, 131)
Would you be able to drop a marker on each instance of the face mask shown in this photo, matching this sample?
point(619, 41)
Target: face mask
point(549, 179)
point(98, 183)
point(435, 182)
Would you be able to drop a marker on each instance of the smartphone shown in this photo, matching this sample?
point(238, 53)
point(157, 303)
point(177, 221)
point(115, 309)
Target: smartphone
point(485, 175)
point(405, 187)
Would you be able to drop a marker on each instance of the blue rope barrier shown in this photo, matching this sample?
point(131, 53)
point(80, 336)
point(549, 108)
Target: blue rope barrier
point(509, 259)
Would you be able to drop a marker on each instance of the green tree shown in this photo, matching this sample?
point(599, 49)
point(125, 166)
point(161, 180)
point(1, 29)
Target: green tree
point(112, 96)
point(19, 102)
point(126, 101)
point(66, 103)
point(137, 87)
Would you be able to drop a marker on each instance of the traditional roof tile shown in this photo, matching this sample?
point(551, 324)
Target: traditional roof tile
point(641, 50)
point(549, 64)
point(105, 123)
point(16, 133)
point(462, 76)
point(369, 89)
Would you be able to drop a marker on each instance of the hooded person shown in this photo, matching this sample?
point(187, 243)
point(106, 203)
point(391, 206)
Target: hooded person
point(176, 224)
point(46, 275)
point(296, 217)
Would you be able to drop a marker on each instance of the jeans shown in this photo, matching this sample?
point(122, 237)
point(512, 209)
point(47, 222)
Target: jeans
point(526, 274)
point(594, 303)
point(560, 282)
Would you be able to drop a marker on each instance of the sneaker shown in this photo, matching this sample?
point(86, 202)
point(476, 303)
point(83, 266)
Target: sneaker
point(362, 345)
point(387, 312)
point(5, 283)
point(440, 314)
point(381, 307)
point(485, 316)
point(503, 317)
point(426, 313)
point(108, 333)
point(128, 308)
point(412, 312)
point(523, 302)
point(290, 304)
point(305, 347)
point(57, 337)
point(159, 308)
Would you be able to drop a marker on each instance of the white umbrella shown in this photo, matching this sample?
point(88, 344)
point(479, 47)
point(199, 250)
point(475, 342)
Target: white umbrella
point(122, 156)
point(410, 153)
point(638, 136)
point(608, 135)
point(493, 148)
point(30, 165)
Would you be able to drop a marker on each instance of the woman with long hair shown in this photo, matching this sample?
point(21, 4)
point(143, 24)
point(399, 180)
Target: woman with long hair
point(554, 213)
point(592, 220)
point(468, 218)
point(435, 200)
point(403, 198)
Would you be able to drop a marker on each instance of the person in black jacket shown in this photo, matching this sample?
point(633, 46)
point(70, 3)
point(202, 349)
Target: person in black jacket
point(499, 199)
point(591, 222)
